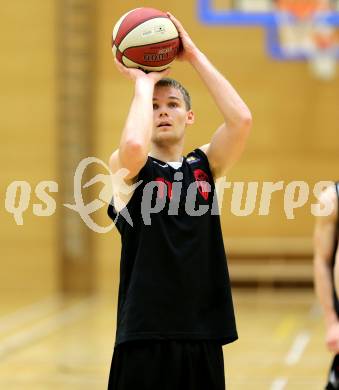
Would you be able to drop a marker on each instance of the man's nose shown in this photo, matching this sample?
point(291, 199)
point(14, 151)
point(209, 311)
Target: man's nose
point(163, 112)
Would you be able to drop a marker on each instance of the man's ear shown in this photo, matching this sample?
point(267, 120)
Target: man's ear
point(190, 117)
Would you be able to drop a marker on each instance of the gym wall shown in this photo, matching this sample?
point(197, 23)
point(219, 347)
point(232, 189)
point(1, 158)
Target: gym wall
point(294, 137)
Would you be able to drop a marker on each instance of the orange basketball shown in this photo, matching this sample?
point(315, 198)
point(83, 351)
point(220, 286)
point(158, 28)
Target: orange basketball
point(145, 38)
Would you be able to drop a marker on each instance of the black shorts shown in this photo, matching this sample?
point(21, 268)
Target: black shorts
point(167, 365)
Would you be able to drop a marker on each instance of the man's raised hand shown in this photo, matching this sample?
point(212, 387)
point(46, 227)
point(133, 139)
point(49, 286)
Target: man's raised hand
point(135, 74)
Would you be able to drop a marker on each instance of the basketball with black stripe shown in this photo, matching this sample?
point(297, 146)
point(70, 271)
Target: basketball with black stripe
point(145, 38)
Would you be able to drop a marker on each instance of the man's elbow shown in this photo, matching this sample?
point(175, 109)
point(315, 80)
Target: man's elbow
point(131, 146)
point(132, 155)
point(246, 120)
point(131, 149)
point(243, 125)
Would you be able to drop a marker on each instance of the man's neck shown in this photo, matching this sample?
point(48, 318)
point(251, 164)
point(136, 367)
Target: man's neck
point(167, 154)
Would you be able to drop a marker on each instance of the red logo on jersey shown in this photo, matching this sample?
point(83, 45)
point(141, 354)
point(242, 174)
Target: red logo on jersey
point(201, 179)
point(161, 189)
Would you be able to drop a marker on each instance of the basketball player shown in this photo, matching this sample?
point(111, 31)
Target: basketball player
point(175, 309)
point(326, 255)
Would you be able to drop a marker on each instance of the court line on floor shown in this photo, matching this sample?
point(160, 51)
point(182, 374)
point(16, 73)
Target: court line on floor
point(24, 338)
point(298, 347)
point(279, 384)
point(293, 356)
point(29, 313)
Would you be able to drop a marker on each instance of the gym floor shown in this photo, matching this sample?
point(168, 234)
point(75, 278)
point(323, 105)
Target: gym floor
point(67, 342)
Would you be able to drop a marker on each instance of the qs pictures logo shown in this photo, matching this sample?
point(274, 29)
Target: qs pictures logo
point(18, 196)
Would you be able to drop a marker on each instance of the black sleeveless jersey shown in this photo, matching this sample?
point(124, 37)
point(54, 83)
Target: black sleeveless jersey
point(174, 281)
point(336, 244)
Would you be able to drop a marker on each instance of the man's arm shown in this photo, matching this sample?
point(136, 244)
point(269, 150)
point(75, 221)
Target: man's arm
point(336, 264)
point(229, 140)
point(136, 135)
point(324, 235)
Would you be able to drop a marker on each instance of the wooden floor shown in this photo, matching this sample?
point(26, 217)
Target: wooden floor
point(66, 343)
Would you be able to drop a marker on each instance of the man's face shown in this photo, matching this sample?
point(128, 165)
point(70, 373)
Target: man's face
point(170, 117)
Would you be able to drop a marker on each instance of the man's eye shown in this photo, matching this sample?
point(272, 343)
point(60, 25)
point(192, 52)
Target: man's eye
point(173, 104)
point(155, 106)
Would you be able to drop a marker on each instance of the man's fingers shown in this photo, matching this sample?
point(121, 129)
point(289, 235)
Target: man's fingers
point(120, 67)
point(129, 72)
point(165, 72)
point(176, 22)
point(162, 74)
point(332, 345)
point(134, 73)
point(173, 18)
point(156, 76)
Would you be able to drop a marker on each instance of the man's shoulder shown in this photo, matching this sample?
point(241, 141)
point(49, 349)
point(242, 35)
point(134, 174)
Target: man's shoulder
point(329, 194)
point(199, 153)
point(328, 199)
